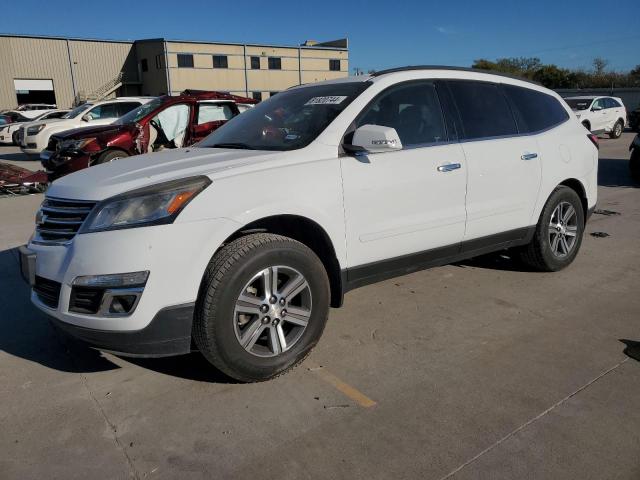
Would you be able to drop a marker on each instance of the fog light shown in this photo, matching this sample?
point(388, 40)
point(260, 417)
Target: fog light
point(115, 280)
point(122, 304)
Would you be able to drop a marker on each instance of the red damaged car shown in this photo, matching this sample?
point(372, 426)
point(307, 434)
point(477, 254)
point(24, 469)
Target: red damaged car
point(165, 122)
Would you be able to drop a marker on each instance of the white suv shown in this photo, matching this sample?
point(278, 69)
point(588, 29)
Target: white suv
point(243, 242)
point(35, 137)
point(600, 114)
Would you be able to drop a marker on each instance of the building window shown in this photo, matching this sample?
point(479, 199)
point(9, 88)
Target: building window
point(144, 65)
point(220, 61)
point(159, 61)
point(256, 96)
point(185, 60)
point(255, 63)
point(334, 65)
point(275, 63)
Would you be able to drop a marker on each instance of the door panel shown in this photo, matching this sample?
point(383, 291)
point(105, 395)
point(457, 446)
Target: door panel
point(398, 203)
point(503, 186)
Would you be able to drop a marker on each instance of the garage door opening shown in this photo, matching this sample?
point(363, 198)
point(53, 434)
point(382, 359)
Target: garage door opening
point(34, 91)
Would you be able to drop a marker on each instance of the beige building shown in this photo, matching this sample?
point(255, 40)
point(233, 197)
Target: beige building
point(68, 71)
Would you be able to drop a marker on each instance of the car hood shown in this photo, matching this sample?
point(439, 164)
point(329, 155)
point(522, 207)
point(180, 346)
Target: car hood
point(90, 131)
point(103, 181)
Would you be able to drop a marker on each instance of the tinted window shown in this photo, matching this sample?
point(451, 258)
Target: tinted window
point(484, 110)
point(185, 60)
point(255, 63)
point(108, 110)
point(412, 109)
point(611, 103)
point(578, 103)
point(534, 110)
point(126, 107)
point(212, 112)
point(275, 63)
point(290, 120)
point(220, 61)
point(334, 65)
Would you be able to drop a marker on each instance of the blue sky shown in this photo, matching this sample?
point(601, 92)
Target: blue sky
point(381, 33)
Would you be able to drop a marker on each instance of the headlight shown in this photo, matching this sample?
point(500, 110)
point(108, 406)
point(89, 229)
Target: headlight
point(76, 144)
point(156, 205)
point(35, 129)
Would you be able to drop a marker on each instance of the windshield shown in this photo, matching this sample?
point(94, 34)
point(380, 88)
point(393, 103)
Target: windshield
point(287, 121)
point(579, 103)
point(77, 111)
point(137, 114)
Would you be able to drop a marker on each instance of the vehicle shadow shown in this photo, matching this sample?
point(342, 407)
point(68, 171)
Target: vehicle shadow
point(26, 332)
point(632, 349)
point(505, 260)
point(18, 157)
point(614, 172)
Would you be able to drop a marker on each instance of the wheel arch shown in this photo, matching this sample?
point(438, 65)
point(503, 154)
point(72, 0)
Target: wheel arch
point(577, 186)
point(308, 232)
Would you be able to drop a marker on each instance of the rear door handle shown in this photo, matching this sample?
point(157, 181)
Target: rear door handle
point(448, 167)
point(529, 156)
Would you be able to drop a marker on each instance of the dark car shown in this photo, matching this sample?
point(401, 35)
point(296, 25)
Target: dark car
point(634, 159)
point(634, 120)
point(165, 122)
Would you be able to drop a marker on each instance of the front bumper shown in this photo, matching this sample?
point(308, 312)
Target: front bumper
point(176, 256)
point(61, 163)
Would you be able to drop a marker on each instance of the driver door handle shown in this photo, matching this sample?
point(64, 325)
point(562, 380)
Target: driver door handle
point(529, 156)
point(448, 167)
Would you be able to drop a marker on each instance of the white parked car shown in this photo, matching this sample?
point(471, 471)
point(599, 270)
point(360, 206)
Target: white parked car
point(9, 133)
point(36, 136)
point(32, 110)
point(242, 242)
point(600, 114)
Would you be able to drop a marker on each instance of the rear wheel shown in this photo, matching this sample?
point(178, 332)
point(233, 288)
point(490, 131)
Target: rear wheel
point(558, 234)
point(110, 156)
point(616, 132)
point(262, 306)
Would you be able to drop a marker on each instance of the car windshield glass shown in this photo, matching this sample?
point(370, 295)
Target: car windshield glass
point(137, 114)
point(77, 111)
point(579, 103)
point(287, 121)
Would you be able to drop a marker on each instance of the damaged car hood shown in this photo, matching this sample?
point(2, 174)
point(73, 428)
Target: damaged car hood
point(103, 181)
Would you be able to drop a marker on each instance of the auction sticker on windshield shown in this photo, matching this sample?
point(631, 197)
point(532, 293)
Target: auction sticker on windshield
point(332, 100)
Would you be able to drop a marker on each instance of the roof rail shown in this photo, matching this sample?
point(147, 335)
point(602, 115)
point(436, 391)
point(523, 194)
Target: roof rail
point(459, 69)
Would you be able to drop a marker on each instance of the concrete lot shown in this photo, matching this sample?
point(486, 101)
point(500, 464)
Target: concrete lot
point(469, 371)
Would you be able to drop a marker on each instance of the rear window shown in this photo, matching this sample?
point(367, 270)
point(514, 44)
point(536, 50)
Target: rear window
point(483, 109)
point(535, 111)
point(578, 103)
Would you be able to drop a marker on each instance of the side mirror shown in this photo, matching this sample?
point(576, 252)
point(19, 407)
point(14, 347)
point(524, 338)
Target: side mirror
point(86, 117)
point(374, 139)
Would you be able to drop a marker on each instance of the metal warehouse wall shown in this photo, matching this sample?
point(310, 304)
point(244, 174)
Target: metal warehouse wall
point(630, 96)
point(92, 63)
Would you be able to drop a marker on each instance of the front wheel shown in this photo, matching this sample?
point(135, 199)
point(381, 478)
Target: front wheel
point(616, 132)
point(110, 156)
point(262, 306)
point(558, 234)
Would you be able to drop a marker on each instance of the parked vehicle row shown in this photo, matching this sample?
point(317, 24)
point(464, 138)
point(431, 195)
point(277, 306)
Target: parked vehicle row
point(600, 114)
point(9, 134)
point(239, 244)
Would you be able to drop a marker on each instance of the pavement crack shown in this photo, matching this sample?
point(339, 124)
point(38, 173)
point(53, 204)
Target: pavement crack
point(85, 383)
point(531, 421)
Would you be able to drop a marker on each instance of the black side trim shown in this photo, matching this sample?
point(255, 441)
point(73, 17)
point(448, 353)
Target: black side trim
point(169, 333)
point(377, 271)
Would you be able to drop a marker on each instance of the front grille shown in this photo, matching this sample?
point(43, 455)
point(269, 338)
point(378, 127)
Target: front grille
point(85, 299)
point(59, 220)
point(48, 291)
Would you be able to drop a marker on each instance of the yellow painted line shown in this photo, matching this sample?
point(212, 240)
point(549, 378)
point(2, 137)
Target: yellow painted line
point(351, 392)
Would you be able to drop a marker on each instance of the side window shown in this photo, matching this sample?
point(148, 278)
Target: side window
point(483, 109)
point(275, 63)
point(255, 63)
point(185, 60)
point(108, 110)
point(599, 104)
point(212, 112)
point(534, 111)
point(220, 61)
point(412, 109)
point(126, 107)
point(611, 103)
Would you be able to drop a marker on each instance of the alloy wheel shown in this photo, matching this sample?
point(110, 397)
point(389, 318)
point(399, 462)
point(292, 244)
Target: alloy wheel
point(563, 229)
point(272, 311)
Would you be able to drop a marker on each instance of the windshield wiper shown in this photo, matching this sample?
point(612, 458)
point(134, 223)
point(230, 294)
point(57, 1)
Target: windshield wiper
point(241, 146)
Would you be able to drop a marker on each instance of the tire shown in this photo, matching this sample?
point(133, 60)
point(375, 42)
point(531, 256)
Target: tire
point(109, 156)
point(634, 164)
point(616, 132)
point(546, 254)
point(220, 324)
